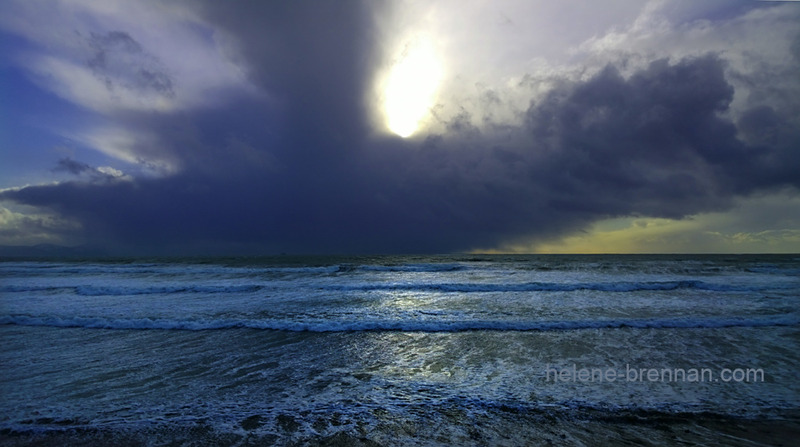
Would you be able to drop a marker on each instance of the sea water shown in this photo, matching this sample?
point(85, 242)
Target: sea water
point(395, 350)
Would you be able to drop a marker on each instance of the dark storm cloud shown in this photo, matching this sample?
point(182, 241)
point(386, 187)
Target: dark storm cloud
point(72, 166)
point(21, 228)
point(89, 172)
point(654, 144)
point(120, 61)
point(303, 173)
point(315, 59)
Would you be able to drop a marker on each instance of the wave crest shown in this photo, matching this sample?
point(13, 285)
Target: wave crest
point(396, 325)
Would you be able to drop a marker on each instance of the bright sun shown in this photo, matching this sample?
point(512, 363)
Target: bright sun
point(410, 88)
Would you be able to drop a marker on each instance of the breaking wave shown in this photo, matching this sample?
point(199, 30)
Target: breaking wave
point(125, 291)
point(395, 325)
point(567, 287)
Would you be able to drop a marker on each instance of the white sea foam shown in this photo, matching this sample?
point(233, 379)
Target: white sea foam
point(355, 338)
point(243, 287)
point(428, 267)
point(566, 287)
point(396, 325)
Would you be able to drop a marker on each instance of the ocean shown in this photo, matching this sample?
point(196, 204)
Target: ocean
point(401, 350)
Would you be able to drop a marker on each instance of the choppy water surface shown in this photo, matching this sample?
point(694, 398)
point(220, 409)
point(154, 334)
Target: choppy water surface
point(401, 349)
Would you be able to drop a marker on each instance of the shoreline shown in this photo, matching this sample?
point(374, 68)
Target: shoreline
point(442, 426)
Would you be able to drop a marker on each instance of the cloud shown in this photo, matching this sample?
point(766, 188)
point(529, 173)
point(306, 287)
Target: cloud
point(652, 145)
point(72, 166)
point(759, 44)
point(98, 174)
point(116, 74)
point(32, 227)
point(119, 56)
point(135, 143)
point(753, 225)
point(120, 63)
point(299, 167)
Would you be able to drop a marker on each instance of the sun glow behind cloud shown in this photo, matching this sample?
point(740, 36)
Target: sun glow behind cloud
point(470, 121)
point(741, 229)
point(409, 90)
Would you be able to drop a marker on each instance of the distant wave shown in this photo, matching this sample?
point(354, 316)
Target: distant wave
point(774, 270)
point(167, 269)
point(396, 325)
point(90, 290)
point(124, 291)
point(421, 268)
point(193, 269)
point(566, 287)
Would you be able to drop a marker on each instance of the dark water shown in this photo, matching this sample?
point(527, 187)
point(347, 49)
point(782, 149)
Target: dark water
point(400, 350)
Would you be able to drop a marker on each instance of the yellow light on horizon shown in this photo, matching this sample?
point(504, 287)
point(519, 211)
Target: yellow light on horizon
point(410, 88)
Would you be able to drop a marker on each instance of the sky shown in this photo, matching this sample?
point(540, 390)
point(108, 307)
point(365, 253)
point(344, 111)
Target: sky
point(252, 127)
